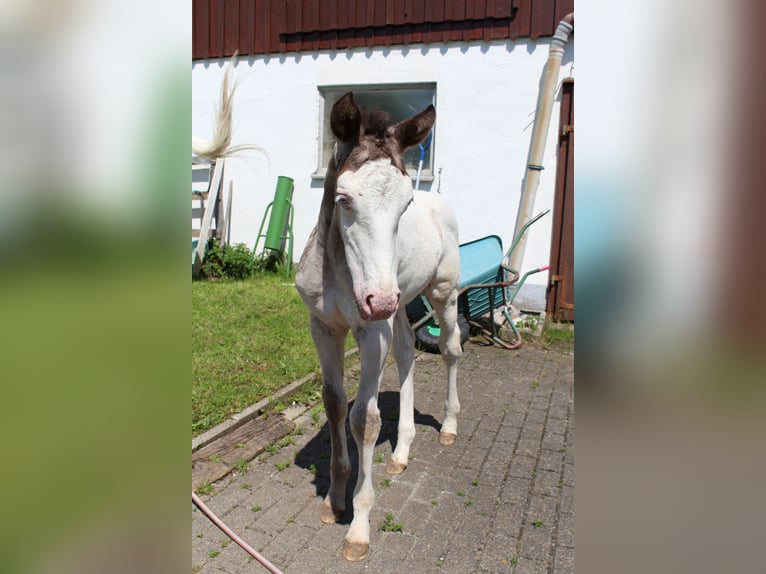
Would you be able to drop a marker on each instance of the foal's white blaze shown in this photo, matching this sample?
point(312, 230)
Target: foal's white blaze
point(372, 202)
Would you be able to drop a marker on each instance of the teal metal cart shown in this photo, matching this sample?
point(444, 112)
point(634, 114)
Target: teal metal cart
point(487, 283)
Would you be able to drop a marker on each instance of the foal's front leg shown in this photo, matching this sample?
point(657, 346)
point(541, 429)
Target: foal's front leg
point(374, 340)
point(330, 347)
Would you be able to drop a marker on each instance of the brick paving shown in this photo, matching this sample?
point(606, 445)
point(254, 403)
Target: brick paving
point(500, 500)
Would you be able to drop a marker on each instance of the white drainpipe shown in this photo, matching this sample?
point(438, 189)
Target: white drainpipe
point(539, 133)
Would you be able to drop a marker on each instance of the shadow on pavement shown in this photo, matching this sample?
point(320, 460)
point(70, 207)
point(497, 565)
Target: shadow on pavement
point(315, 455)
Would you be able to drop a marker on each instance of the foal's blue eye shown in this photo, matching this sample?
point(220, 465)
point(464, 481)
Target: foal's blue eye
point(342, 200)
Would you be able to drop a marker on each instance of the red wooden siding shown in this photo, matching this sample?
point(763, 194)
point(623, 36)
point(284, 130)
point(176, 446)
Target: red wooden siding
point(560, 298)
point(221, 27)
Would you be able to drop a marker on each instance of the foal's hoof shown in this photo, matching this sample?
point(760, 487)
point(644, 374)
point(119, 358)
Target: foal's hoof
point(447, 438)
point(330, 515)
point(355, 551)
point(395, 467)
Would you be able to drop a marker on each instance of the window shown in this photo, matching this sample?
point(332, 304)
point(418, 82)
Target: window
point(401, 101)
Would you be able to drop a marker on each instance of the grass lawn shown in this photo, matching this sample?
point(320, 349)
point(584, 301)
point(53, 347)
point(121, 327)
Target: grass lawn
point(249, 339)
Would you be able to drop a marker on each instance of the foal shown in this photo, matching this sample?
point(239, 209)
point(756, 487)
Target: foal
point(376, 246)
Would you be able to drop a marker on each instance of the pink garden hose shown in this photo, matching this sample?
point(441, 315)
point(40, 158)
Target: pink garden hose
point(231, 534)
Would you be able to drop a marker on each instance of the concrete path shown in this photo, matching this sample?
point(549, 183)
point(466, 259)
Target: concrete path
point(500, 500)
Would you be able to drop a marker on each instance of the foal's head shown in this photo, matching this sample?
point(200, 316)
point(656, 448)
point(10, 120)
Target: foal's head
point(372, 193)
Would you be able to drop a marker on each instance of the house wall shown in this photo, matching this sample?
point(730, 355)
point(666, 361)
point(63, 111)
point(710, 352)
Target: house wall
point(486, 95)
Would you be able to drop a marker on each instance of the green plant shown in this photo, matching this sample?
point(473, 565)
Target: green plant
point(379, 458)
point(269, 261)
point(291, 520)
point(535, 384)
point(439, 563)
point(213, 553)
point(435, 502)
point(228, 261)
point(225, 543)
point(245, 486)
point(315, 414)
point(242, 465)
point(385, 483)
point(216, 458)
point(279, 407)
point(204, 488)
point(196, 568)
point(475, 482)
point(313, 469)
point(280, 444)
point(468, 502)
point(537, 523)
point(515, 559)
point(460, 493)
point(280, 466)
point(255, 508)
point(388, 525)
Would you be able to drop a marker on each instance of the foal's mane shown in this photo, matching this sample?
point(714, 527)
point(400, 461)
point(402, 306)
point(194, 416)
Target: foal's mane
point(375, 142)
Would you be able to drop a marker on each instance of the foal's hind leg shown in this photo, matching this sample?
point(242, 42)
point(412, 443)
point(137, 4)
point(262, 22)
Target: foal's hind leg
point(404, 353)
point(330, 347)
point(444, 300)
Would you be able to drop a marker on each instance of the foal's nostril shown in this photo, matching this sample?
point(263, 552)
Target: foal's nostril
point(368, 301)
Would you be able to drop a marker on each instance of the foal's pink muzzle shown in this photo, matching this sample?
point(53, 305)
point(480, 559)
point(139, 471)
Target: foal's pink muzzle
point(376, 306)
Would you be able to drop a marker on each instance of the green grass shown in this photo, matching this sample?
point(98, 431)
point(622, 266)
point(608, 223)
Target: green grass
point(559, 334)
point(242, 465)
point(388, 525)
point(249, 339)
point(205, 488)
point(280, 466)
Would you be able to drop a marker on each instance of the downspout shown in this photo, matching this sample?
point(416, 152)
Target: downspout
point(539, 134)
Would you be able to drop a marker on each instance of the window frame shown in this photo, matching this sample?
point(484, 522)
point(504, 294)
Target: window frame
point(427, 172)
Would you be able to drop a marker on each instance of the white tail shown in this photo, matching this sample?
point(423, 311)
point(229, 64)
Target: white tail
point(220, 145)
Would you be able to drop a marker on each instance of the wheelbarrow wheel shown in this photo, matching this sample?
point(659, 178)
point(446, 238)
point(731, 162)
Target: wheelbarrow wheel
point(427, 336)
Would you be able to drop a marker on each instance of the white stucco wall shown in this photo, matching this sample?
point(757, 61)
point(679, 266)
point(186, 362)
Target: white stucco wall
point(485, 101)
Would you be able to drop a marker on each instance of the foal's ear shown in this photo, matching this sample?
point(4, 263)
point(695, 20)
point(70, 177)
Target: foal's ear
point(414, 130)
point(345, 118)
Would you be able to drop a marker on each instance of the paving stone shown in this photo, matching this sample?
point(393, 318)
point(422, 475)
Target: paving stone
point(564, 561)
point(546, 482)
point(565, 531)
point(528, 447)
point(536, 543)
point(498, 553)
point(529, 566)
point(522, 466)
point(515, 439)
point(550, 460)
